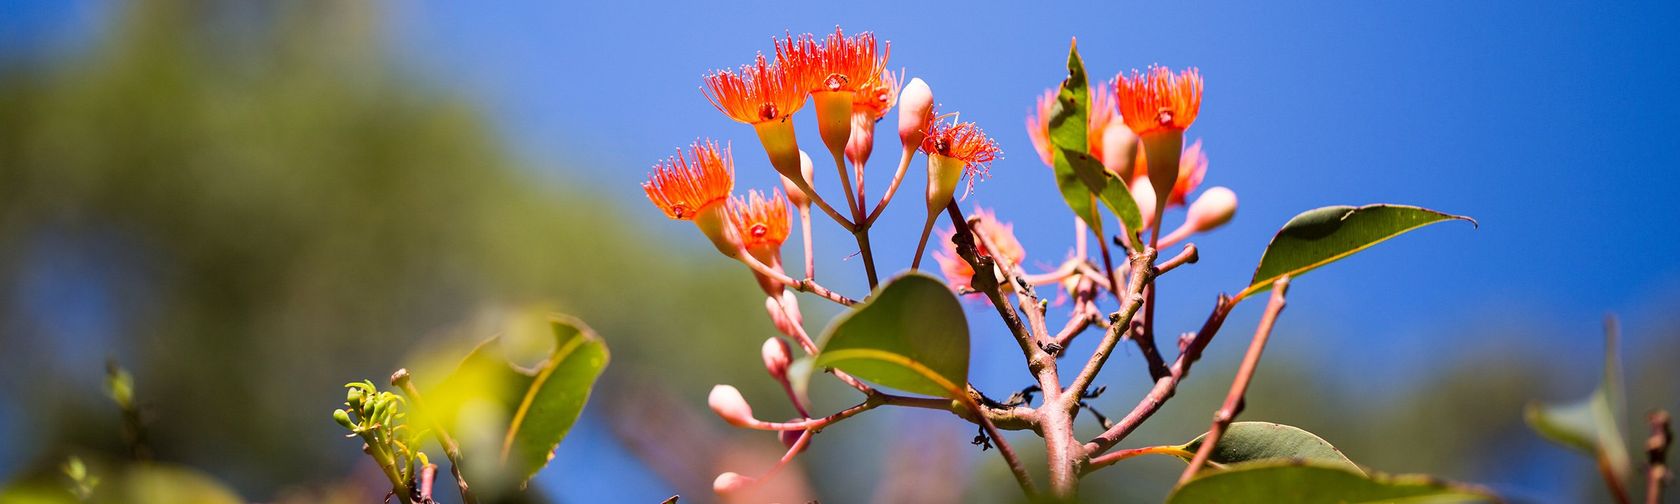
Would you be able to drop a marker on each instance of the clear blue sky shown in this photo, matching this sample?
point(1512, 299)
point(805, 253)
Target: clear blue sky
point(1552, 123)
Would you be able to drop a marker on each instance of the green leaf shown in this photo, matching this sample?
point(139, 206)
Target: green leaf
point(1324, 235)
point(1592, 425)
point(1073, 163)
point(909, 335)
point(509, 418)
point(1316, 482)
point(1260, 441)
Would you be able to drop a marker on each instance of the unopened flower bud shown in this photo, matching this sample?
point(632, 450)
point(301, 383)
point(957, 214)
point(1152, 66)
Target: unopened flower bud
point(790, 437)
point(1119, 150)
point(1144, 194)
point(794, 195)
point(862, 141)
point(730, 482)
point(776, 355)
point(354, 398)
point(1212, 209)
point(343, 419)
point(915, 112)
point(728, 404)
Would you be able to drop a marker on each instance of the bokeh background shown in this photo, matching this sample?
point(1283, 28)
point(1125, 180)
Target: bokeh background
point(250, 203)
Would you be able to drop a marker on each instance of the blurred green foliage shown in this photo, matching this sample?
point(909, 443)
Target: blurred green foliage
point(287, 212)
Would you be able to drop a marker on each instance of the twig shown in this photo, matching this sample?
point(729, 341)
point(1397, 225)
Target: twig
point(1110, 458)
point(1189, 352)
point(810, 255)
point(903, 165)
point(428, 474)
point(1187, 256)
point(1009, 458)
point(1656, 452)
point(806, 285)
point(451, 449)
point(855, 204)
point(985, 281)
point(1118, 322)
point(1239, 386)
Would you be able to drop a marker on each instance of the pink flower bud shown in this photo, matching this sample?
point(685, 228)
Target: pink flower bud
point(1144, 194)
point(1212, 209)
point(789, 437)
point(794, 194)
point(728, 404)
point(1119, 150)
point(862, 141)
point(915, 112)
point(777, 355)
point(730, 482)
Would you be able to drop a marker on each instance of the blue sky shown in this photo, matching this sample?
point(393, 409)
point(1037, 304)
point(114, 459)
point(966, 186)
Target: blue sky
point(1552, 123)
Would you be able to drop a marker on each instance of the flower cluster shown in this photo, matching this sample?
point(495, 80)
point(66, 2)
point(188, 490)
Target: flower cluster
point(844, 77)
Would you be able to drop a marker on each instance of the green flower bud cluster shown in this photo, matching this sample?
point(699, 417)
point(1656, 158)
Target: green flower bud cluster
point(380, 419)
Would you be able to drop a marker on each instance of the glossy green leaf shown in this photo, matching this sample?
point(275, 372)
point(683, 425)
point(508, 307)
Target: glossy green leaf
point(1315, 483)
point(1321, 236)
point(1592, 425)
point(1261, 441)
point(909, 335)
point(1070, 152)
point(512, 417)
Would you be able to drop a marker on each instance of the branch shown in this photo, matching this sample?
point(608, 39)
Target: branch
point(1009, 458)
point(1118, 323)
point(1189, 352)
point(1186, 256)
point(1239, 386)
point(985, 281)
point(1656, 451)
point(451, 449)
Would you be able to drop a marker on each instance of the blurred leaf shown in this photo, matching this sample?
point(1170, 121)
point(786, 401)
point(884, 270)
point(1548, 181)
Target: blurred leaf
point(1592, 425)
point(1069, 130)
point(799, 377)
point(495, 406)
point(1310, 483)
point(1258, 441)
point(910, 335)
point(1320, 236)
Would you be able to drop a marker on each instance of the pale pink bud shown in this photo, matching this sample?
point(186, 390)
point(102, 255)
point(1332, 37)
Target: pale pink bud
point(789, 437)
point(730, 482)
point(915, 112)
point(791, 303)
point(777, 355)
point(1119, 149)
point(777, 315)
point(1144, 194)
point(794, 194)
point(728, 404)
point(862, 141)
point(1212, 209)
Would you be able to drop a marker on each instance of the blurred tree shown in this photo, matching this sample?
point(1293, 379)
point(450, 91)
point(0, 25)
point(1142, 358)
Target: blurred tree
point(245, 204)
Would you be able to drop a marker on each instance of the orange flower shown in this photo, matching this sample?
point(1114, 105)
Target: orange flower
point(962, 141)
point(760, 221)
point(876, 97)
point(840, 63)
point(756, 93)
point(1102, 111)
point(685, 187)
point(1001, 234)
point(1158, 100)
